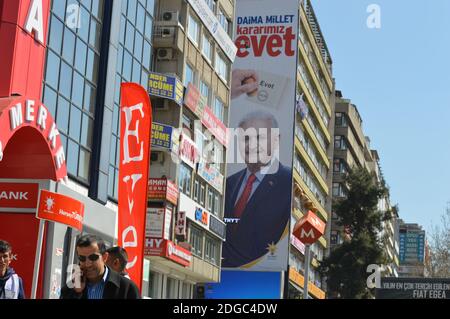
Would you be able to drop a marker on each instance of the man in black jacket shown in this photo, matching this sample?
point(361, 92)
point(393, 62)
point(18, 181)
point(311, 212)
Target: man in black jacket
point(97, 281)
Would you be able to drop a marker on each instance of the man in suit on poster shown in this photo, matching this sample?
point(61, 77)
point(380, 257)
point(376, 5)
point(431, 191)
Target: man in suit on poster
point(257, 202)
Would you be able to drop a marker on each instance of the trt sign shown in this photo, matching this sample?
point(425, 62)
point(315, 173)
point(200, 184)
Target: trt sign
point(309, 228)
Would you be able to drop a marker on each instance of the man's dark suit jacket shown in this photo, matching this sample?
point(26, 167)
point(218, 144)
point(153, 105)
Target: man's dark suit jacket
point(263, 221)
point(116, 287)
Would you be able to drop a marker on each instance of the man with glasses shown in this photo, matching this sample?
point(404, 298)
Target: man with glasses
point(96, 280)
point(11, 285)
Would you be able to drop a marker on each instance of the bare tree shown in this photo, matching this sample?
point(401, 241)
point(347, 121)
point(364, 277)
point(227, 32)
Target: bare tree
point(439, 262)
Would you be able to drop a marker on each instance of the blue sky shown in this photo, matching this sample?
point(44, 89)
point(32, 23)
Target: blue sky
point(399, 78)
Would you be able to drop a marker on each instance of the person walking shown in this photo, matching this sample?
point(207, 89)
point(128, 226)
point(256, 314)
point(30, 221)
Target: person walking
point(96, 280)
point(11, 285)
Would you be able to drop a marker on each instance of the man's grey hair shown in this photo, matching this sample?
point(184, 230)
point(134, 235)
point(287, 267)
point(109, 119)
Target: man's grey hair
point(259, 115)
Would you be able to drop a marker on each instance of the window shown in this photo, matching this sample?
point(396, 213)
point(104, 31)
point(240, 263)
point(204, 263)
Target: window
point(211, 4)
point(189, 75)
point(212, 249)
point(218, 109)
point(339, 143)
point(134, 62)
point(202, 194)
point(338, 190)
point(341, 120)
point(187, 291)
point(188, 126)
point(196, 241)
point(218, 155)
point(184, 179)
point(210, 202)
point(205, 90)
point(216, 206)
point(155, 283)
point(207, 48)
point(196, 190)
point(193, 30)
point(221, 67)
point(71, 66)
point(224, 22)
point(171, 288)
point(339, 166)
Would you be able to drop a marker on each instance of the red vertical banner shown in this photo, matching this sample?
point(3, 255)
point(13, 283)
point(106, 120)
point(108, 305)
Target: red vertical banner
point(135, 136)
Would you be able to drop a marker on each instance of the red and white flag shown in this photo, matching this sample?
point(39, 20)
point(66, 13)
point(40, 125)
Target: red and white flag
point(135, 137)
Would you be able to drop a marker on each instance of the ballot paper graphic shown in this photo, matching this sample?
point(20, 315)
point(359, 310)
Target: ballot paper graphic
point(270, 90)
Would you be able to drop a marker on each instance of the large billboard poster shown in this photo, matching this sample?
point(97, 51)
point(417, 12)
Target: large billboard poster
point(259, 180)
point(245, 285)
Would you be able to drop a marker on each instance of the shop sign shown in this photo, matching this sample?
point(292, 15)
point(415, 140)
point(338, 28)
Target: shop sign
point(31, 113)
point(215, 126)
point(158, 223)
point(18, 195)
point(201, 216)
point(214, 27)
point(195, 101)
point(298, 244)
point(61, 209)
point(211, 175)
point(217, 227)
point(162, 189)
point(180, 224)
point(168, 249)
point(162, 135)
point(165, 86)
point(188, 151)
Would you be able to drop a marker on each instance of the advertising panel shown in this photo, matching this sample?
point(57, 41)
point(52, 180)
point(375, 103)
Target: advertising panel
point(165, 86)
point(135, 147)
point(260, 153)
point(210, 174)
point(162, 136)
point(245, 285)
point(61, 209)
point(162, 189)
point(413, 288)
point(201, 216)
point(214, 27)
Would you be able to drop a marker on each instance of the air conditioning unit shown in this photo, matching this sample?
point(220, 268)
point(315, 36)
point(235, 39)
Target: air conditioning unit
point(170, 16)
point(157, 157)
point(167, 32)
point(164, 54)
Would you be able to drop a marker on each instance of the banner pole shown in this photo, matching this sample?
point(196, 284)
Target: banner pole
point(37, 259)
point(306, 277)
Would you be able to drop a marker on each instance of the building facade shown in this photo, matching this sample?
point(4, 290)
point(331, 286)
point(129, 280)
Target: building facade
point(186, 49)
point(92, 46)
point(313, 149)
point(351, 150)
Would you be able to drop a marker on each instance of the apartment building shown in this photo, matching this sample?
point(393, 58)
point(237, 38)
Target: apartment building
point(193, 48)
point(313, 148)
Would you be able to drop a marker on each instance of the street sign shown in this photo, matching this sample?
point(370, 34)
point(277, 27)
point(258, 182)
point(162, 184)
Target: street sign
point(309, 228)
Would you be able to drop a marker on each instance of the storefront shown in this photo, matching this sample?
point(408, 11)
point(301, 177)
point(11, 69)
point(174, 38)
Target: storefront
point(32, 155)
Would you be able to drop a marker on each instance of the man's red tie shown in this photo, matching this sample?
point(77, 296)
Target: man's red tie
point(242, 202)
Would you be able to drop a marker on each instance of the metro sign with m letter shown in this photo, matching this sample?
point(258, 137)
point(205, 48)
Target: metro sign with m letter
point(135, 136)
point(309, 228)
